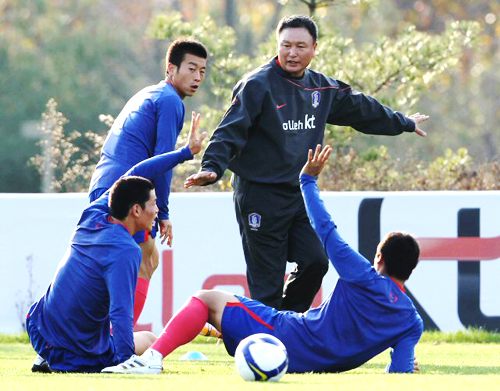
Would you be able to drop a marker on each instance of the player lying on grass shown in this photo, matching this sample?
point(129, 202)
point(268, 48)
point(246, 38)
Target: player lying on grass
point(366, 313)
point(69, 327)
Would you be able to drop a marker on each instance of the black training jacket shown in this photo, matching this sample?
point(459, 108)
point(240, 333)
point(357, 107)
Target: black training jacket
point(274, 119)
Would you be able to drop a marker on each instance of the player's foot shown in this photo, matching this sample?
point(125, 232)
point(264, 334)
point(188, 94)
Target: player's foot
point(40, 365)
point(210, 331)
point(149, 363)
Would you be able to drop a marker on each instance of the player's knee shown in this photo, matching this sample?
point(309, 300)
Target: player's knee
point(214, 299)
point(204, 295)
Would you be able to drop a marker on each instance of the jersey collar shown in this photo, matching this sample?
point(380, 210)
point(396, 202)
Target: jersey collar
point(119, 223)
point(275, 63)
point(169, 82)
point(402, 287)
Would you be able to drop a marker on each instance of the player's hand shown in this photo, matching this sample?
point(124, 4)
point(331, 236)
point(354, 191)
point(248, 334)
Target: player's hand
point(202, 178)
point(195, 142)
point(416, 368)
point(166, 232)
point(316, 163)
point(418, 118)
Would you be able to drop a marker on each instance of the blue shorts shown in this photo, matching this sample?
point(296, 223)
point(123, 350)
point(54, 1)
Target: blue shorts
point(139, 237)
point(63, 360)
point(240, 320)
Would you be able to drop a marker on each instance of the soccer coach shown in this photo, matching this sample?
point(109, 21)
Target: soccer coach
point(279, 111)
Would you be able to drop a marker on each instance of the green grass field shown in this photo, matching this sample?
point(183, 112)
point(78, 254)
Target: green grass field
point(459, 361)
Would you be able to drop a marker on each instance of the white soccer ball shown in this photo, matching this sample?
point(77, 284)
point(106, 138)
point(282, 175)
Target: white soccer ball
point(261, 357)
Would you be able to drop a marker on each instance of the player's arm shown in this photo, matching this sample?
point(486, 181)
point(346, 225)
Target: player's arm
point(350, 265)
point(403, 353)
point(153, 167)
point(231, 134)
point(366, 115)
point(169, 122)
point(120, 274)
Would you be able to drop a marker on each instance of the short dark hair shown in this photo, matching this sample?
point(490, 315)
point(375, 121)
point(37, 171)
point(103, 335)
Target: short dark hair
point(298, 21)
point(126, 192)
point(400, 252)
point(180, 47)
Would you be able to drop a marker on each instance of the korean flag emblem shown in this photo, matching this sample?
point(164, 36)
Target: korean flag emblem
point(316, 97)
point(254, 221)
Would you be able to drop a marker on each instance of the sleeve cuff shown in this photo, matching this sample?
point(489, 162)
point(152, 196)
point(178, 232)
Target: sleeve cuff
point(186, 153)
point(211, 169)
point(163, 216)
point(410, 127)
point(305, 178)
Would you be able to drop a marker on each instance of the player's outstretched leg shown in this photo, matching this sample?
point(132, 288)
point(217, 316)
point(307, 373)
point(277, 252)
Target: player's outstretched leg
point(205, 306)
point(181, 329)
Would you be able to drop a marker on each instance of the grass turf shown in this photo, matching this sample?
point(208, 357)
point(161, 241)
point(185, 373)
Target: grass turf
point(466, 361)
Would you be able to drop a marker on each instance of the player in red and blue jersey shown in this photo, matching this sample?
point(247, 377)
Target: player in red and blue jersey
point(366, 313)
point(94, 285)
point(149, 125)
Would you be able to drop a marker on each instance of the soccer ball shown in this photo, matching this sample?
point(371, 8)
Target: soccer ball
point(261, 357)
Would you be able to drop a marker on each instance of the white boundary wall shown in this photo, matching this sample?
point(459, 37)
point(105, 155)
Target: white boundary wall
point(207, 249)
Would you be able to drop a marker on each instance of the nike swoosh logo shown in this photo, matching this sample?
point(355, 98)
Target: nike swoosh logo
point(280, 106)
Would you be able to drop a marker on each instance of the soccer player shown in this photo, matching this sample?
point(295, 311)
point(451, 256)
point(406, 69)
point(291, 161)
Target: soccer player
point(279, 111)
point(69, 327)
point(366, 313)
point(149, 125)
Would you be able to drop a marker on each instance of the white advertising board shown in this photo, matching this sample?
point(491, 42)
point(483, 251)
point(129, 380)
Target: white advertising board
point(454, 284)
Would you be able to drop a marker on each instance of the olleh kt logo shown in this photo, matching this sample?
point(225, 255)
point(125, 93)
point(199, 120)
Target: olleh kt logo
point(292, 125)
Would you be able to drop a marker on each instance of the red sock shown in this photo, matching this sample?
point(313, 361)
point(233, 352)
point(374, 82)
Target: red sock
point(183, 327)
point(141, 292)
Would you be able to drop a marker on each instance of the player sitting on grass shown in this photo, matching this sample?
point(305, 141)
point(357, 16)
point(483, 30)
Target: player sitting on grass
point(69, 327)
point(367, 312)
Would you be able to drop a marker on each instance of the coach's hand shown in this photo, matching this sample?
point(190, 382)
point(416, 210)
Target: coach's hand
point(418, 118)
point(195, 142)
point(202, 178)
point(316, 163)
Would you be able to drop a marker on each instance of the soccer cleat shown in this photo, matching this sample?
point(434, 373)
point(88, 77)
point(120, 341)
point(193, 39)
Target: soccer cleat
point(210, 331)
point(41, 365)
point(140, 365)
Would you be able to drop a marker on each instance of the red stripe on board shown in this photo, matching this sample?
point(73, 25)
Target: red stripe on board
point(168, 285)
point(252, 314)
point(459, 249)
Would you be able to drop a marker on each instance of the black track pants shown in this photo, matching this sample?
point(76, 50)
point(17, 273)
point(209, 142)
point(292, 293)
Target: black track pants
point(275, 229)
